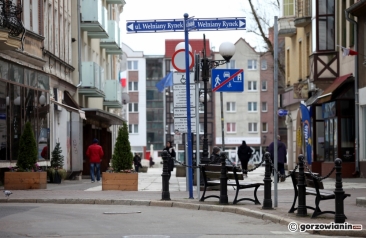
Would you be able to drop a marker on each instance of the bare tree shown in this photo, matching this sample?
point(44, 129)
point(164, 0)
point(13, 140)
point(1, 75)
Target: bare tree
point(262, 17)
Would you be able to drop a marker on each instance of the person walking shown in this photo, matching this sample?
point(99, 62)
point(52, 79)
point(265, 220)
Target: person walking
point(151, 162)
point(95, 154)
point(244, 154)
point(137, 162)
point(281, 156)
point(170, 149)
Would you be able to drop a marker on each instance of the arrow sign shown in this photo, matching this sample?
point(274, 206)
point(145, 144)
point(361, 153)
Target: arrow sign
point(227, 80)
point(173, 25)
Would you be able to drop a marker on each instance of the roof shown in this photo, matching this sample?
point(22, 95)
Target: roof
point(196, 44)
point(358, 8)
point(327, 94)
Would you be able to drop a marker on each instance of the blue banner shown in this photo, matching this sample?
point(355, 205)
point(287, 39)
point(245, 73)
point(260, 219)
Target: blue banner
point(305, 119)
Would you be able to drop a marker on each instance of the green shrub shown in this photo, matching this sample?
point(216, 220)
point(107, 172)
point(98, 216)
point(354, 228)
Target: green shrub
point(28, 151)
point(122, 158)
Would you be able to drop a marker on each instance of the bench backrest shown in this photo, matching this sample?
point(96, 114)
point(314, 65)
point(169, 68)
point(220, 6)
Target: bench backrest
point(310, 181)
point(213, 172)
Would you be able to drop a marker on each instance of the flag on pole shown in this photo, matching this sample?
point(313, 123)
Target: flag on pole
point(165, 82)
point(122, 79)
point(347, 51)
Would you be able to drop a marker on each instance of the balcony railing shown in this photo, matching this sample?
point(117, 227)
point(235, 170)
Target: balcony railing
point(94, 19)
point(116, 2)
point(303, 13)
point(286, 26)
point(112, 45)
point(113, 95)
point(92, 80)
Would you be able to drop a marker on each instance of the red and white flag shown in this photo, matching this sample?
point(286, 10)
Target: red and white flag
point(347, 51)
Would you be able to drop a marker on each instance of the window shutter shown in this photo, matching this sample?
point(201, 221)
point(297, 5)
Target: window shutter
point(40, 17)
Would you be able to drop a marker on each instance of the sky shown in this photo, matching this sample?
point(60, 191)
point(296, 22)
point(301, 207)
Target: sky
point(153, 43)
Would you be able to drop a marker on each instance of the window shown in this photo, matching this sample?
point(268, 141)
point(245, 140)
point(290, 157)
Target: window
point(264, 65)
point(264, 107)
point(252, 106)
point(133, 128)
point(133, 86)
point(325, 20)
point(133, 107)
point(264, 85)
point(232, 64)
point(201, 128)
point(264, 127)
point(171, 106)
point(252, 85)
point(132, 65)
point(230, 127)
point(252, 127)
point(252, 64)
point(231, 107)
point(288, 7)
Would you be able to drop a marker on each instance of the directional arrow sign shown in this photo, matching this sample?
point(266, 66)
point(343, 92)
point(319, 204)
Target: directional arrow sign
point(172, 25)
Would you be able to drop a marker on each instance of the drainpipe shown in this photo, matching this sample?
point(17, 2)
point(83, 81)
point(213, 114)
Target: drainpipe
point(79, 43)
point(357, 157)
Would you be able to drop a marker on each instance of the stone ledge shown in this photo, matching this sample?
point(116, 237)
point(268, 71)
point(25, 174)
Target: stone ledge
point(361, 201)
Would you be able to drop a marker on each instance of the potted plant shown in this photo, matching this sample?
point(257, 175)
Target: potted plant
point(120, 176)
point(56, 173)
point(28, 175)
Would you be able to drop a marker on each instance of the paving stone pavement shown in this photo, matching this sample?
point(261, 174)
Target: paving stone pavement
point(149, 194)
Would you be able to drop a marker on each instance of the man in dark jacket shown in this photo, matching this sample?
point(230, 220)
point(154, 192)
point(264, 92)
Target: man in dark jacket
point(244, 154)
point(137, 162)
point(215, 156)
point(281, 155)
point(170, 149)
point(95, 154)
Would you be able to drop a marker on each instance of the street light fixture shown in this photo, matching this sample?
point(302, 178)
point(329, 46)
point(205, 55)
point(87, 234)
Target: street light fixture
point(226, 50)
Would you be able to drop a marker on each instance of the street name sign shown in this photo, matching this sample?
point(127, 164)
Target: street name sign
point(177, 25)
point(227, 80)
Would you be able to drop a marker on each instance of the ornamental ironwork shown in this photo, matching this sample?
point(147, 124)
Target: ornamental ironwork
point(10, 18)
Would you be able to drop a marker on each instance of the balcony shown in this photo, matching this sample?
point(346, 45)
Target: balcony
point(116, 2)
point(11, 27)
point(286, 26)
point(112, 45)
point(303, 13)
point(92, 80)
point(94, 19)
point(113, 95)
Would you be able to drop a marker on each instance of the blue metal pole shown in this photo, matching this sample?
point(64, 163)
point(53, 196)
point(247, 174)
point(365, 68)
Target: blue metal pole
point(188, 95)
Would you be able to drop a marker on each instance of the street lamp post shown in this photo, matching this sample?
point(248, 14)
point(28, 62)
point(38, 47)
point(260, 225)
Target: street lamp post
point(227, 51)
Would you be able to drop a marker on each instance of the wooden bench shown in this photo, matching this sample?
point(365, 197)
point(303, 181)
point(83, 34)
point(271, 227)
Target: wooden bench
point(315, 188)
point(211, 178)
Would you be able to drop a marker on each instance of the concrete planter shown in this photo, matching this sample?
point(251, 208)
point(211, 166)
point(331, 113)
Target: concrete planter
point(25, 180)
point(143, 169)
point(120, 181)
point(181, 171)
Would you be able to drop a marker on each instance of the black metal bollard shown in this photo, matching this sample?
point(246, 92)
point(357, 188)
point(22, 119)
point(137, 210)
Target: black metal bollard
point(223, 180)
point(301, 187)
point(165, 195)
point(267, 201)
point(339, 216)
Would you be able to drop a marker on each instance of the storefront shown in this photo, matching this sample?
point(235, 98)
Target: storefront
point(24, 96)
point(333, 120)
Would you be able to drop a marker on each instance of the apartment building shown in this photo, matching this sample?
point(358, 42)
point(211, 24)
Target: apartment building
point(135, 70)
point(242, 111)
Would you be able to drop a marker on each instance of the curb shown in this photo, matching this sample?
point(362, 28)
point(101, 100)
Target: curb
point(178, 204)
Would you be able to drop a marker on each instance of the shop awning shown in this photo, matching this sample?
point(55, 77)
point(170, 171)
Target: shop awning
point(327, 94)
point(103, 116)
point(69, 108)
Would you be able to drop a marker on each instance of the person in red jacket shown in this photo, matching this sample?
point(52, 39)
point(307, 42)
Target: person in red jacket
point(95, 154)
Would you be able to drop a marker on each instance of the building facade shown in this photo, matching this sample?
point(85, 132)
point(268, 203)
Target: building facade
point(242, 111)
